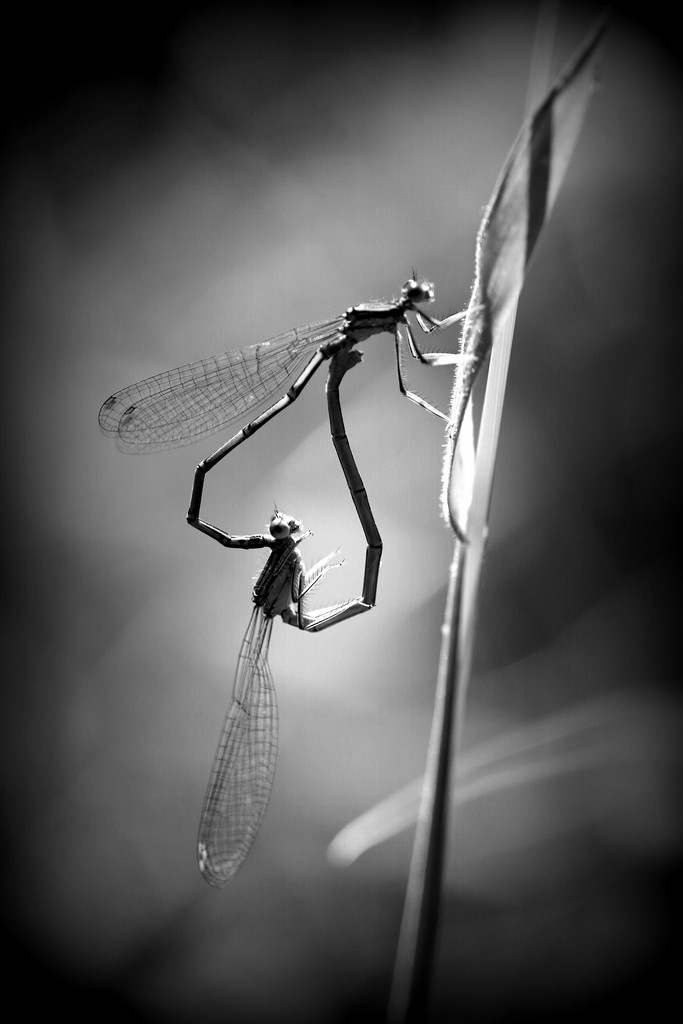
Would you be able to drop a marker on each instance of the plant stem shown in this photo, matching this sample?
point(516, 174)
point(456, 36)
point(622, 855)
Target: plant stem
point(415, 956)
point(419, 927)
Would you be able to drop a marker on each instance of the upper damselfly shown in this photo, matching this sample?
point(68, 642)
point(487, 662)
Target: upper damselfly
point(182, 405)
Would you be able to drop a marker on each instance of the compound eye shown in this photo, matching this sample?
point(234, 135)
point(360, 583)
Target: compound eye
point(278, 527)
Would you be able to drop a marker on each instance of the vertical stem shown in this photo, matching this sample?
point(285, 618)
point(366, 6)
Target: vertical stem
point(415, 956)
point(419, 927)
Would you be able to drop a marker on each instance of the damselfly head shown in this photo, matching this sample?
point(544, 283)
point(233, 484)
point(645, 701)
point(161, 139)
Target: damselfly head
point(283, 525)
point(414, 291)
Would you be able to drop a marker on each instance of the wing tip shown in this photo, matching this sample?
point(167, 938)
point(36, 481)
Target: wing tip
point(218, 878)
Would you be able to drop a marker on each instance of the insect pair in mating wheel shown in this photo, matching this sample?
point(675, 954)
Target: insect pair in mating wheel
point(178, 406)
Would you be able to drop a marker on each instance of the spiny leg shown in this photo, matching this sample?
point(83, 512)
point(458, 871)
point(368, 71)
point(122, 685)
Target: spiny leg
point(431, 358)
point(430, 323)
point(402, 377)
point(468, 367)
point(341, 363)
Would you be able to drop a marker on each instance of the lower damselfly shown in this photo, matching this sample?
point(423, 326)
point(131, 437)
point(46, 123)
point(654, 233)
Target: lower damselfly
point(244, 765)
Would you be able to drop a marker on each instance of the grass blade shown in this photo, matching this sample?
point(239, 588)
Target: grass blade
point(521, 203)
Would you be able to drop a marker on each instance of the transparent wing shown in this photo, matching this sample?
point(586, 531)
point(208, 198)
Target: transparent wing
point(243, 769)
point(178, 406)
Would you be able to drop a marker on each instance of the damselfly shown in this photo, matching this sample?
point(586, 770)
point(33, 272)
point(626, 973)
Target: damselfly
point(184, 404)
point(244, 764)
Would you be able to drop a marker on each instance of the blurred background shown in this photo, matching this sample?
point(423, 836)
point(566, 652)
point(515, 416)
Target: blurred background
point(203, 178)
